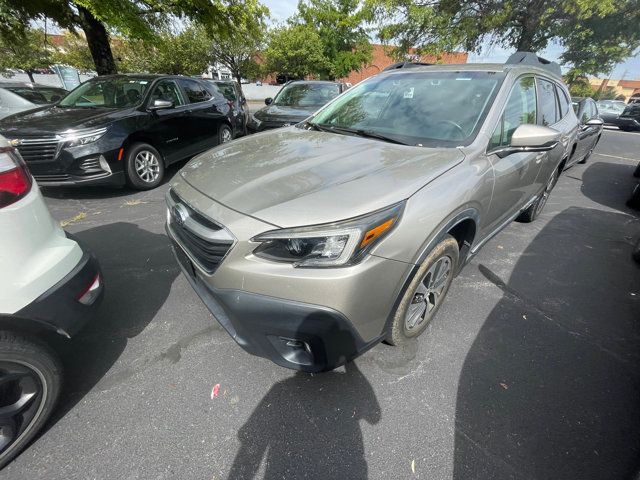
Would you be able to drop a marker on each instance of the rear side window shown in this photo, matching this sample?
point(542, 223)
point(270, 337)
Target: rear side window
point(195, 91)
point(228, 91)
point(520, 110)
point(548, 102)
point(565, 104)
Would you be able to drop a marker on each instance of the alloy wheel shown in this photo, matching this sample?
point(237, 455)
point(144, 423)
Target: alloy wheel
point(547, 191)
point(22, 396)
point(226, 135)
point(147, 166)
point(428, 295)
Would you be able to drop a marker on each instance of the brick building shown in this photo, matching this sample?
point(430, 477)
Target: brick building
point(381, 60)
point(627, 88)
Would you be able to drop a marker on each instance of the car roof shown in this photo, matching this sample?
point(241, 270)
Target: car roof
point(477, 67)
point(141, 76)
point(318, 82)
point(27, 85)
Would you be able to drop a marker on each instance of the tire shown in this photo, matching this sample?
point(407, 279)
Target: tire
point(36, 369)
point(144, 166)
point(624, 129)
point(531, 213)
point(634, 201)
point(225, 134)
point(636, 172)
point(420, 302)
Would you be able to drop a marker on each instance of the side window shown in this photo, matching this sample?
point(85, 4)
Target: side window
point(519, 110)
point(564, 101)
point(586, 112)
point(594, 109)
point(196, 93)
point(548, 102)
point(167, 90)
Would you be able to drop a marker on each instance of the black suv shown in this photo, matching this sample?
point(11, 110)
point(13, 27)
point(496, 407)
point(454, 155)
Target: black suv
point(296, 101)
point(239, 114)
point(119, 129)
point(629, 119)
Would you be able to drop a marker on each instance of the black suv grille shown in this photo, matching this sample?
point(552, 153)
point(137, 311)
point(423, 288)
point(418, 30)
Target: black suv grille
point(38, 150)
point(207, 252)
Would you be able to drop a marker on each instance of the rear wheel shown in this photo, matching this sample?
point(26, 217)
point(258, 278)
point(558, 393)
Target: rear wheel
point(144, 166)
point(636, 173)
point(425, 293)
point(30, 381)
point(531, 213)
point(634, 201)
point(624, 129)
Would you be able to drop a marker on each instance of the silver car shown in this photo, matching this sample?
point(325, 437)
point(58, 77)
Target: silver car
point(21, 96)
point(312, 243)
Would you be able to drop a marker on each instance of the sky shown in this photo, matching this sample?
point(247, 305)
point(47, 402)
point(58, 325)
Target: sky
point(282, 9)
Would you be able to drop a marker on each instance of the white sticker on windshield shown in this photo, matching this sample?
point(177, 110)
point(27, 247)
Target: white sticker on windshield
point(408, 93)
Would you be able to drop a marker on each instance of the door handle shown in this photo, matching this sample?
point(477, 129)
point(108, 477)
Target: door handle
point(539, 157)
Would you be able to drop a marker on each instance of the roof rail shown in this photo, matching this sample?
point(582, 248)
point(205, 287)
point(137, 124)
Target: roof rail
point(398, 65)
point(530, 58)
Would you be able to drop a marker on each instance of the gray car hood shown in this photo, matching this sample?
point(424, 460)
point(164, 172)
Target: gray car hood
point(292, 177)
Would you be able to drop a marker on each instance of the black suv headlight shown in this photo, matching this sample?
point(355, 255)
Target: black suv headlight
point(82, 137)
point(328, 245)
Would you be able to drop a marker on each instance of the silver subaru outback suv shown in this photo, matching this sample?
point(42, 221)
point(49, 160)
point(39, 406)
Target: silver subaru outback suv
point(312, 243)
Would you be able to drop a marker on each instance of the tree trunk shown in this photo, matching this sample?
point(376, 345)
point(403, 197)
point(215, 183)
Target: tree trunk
point(30, 73)
point(98, 41)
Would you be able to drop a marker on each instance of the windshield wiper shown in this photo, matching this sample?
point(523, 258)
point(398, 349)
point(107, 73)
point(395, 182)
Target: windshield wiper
point(357, 131)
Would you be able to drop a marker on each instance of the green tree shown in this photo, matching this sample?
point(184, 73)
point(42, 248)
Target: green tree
point(184, 53)
point(29, 54)
point(236, 47)
point(595, 32)
point(296, 50)
point(341, 27)
point(136, 19)
point(74, 51)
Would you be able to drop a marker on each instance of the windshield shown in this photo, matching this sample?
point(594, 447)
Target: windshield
point(108, 92)
point(306, 94)
point(612, 106)
point(39, 95)
point(416, 108)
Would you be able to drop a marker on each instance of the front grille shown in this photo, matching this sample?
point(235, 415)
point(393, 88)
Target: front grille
point(38, 149)
point(62, 177)
point(205, 241)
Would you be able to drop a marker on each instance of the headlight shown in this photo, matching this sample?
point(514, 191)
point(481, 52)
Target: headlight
point(82, 137)
point(329, 245)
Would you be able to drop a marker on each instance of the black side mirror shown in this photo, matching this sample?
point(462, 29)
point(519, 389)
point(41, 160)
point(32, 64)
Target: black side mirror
point(160, 104)
point(268, 101)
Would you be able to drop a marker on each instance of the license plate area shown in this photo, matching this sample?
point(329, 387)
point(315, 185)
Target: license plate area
point(184, 260)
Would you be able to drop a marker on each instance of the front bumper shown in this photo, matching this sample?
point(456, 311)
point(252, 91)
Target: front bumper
point(58, 307)
point(296, 335)
point(628, 122)
point(115, 179)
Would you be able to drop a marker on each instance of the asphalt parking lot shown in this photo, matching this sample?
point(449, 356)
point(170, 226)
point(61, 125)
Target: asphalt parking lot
point(530, 370)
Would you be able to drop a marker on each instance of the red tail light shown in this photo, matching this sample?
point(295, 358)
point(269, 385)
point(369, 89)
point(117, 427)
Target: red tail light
point(15, 180)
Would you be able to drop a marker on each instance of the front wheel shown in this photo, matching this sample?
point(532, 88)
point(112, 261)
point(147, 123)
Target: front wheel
point(30, 381)
point(425, 293)
point(531, 213)
point(144, 166)
point(224, 134)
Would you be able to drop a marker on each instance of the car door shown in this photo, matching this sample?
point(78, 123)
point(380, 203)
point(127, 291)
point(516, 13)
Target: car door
point(165, 128)
point(515, 174)
point(204, 115)
point(550, 114)
point(588, 134)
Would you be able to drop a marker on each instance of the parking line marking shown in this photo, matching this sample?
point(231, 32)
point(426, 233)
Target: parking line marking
point(616, 156)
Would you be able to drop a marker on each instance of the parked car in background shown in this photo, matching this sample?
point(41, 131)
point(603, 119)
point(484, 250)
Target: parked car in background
point(49, 286)
point(293, 103)
point(610, 110)
point(314, 242)
point(119, 129)
point(589, 131)
point(629, 119)
point(239, 112)
point(20, 96)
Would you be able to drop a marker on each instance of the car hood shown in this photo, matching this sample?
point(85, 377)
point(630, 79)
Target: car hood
point(290, 177)
point(275, 113)
point(50, 120)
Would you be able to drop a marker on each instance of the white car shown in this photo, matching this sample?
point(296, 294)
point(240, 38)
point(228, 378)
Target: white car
point(48, 287)
point(18, 97)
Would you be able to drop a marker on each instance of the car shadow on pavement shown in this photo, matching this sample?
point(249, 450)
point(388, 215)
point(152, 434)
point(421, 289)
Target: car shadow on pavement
point(550, 387)
point(308, 426)
point(138, 270)
point(609, 184)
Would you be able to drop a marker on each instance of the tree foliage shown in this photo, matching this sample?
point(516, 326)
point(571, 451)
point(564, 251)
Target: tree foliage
point(596, 34)
point(296, 50)
point(74, 51)
point(134, 19)
point(236, 47)
point(341, 27)
point(28, 53)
